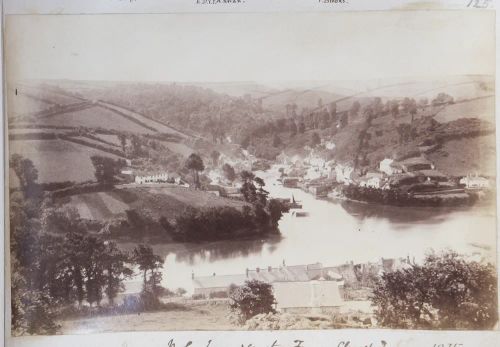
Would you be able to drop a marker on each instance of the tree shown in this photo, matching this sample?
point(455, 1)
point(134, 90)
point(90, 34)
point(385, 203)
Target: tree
point(442, 99)
point(315, 139)
point(195, 164)
point(412, 109)
point(25, 171)
point(180, 291)
point(320, 103)
point(332, 111)
point(293, 128)
point(445, 292)
point(276, 209)
point(262, 194)
point(276, 140)
point(136, 146)
point(355, 107)
point(248, 189)
point(215, 155)
point(146, 260)
point(94, 250)
point(106, 168)
point(123, 141)
point(114, 263)
point(423, 102)
point(344, 120)
point(394, 107)
point(253, 298)
point(229, 172)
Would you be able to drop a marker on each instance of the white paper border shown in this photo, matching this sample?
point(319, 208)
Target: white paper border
point(333, 338)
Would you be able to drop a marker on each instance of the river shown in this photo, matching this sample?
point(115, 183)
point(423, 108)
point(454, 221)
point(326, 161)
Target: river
point(335, 232)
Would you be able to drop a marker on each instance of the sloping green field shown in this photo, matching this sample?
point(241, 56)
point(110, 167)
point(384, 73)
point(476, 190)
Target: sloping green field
point(99, 206)
point(95, 117)
point(483, 108)
point(58, 160)
point(467, 156)
point(161, 201)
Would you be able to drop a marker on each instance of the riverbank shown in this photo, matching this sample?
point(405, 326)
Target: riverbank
point(335, 230)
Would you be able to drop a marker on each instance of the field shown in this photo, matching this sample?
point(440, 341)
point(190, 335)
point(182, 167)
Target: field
point(483, 108)
point(24, 131)
point(97, 143)
point(55, 159)
point(190, 315)
point(21, 105)
point(159, 201)
point(98, 206)
point(140, 118)
point(179, 148)
point(467, 156)
point(95, 117)
point(109, 138)
point(203, 316)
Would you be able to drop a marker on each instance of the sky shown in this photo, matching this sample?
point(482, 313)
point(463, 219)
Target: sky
point(250, 47)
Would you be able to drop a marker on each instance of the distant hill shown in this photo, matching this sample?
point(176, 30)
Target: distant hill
point(260, 117)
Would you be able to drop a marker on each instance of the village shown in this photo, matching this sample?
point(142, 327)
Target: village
point(415, 175)
point(323, 289)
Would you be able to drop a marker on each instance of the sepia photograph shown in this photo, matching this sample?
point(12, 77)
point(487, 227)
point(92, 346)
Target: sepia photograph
point(251, 171)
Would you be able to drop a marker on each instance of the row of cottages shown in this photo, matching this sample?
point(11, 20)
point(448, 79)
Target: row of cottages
point(475, 182)
point(297, 289)
point(158, 178)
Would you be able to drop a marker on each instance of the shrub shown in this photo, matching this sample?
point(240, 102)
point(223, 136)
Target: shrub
point(446, 292)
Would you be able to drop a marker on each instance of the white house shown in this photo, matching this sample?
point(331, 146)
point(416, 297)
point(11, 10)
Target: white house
point(157, 178)
point(372, 180)
point(389, 167)
point(343, 174)
point(475, 182)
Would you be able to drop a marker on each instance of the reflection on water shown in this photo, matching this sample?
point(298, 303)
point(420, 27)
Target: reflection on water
point(333, 233)
point(404, 217)
point(216, 251)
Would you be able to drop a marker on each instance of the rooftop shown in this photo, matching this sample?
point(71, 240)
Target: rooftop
point(268, 275)
point(415, 161)
point(432, 173)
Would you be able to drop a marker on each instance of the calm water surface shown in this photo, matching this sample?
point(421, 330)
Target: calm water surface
point(335, 232)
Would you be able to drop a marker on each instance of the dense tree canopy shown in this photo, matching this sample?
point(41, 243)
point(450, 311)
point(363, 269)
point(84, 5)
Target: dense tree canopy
point(195, 164)
point(253, 298)
point(25, 171)
point(446, 292)
point(106, 168)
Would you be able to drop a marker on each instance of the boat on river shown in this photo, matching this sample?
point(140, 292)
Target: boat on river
point(301, 214)
point(295, 204)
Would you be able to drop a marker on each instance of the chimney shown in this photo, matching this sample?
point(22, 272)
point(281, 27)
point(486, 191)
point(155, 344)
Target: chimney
point(214, 274)
point(258, 269)
point(284, 262)
point(192, 275)
point(247, 272)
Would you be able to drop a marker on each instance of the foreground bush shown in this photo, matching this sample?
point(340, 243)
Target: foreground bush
point(251, 299)
point(446, 292)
